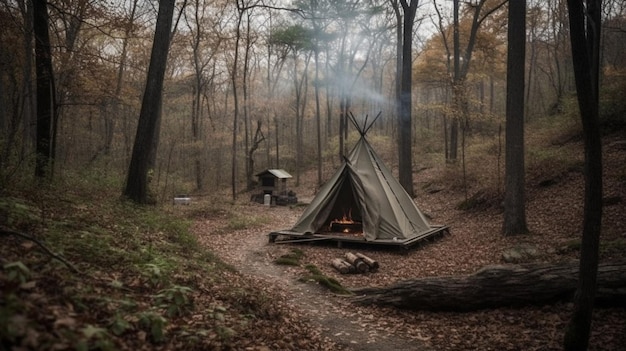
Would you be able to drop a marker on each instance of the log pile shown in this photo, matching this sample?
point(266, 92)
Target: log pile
point(354, 263)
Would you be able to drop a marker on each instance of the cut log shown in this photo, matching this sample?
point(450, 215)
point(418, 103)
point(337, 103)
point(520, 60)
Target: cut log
point(370, 262)
point(342, 266)
point(361, 266)
point(498, 286)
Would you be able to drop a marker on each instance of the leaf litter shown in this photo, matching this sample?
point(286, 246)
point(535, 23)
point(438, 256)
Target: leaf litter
point(554, 218)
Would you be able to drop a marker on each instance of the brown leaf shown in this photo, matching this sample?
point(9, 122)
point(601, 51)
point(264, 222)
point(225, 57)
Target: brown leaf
point(67, 322)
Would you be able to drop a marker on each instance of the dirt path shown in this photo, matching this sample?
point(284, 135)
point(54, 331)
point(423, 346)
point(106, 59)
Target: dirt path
point(339, 321)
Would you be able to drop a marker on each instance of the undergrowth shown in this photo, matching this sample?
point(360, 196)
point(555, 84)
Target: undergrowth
point(141, 276)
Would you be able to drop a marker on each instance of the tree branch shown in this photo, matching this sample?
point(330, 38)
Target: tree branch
point(6, 231)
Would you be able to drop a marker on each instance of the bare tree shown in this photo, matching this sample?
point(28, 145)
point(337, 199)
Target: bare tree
point(405, 156)
point(17, 108)
point(46, 104)
point(274, 70)
point(109, 119)
point(314, 12)
point(201, 57)
point(514, 202)
point(478, 12)
point(148, 128)
point(242, 9)
point(251, 143)
point(298, 40)
point(585, 28)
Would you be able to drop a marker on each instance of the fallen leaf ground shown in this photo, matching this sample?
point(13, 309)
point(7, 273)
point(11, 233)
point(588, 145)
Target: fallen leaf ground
point(203, 277)
point(554, 213)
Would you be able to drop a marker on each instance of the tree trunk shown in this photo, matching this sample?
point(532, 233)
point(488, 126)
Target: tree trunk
point(514, 199)
point(148, 128)
point(46, 104)
point(109, 119)
point(399, 22)
point(318, 117)
point(456, 77)
point(405, 157)
point(585, 43)
point(247, 122)
point(301, 88)
point(28, 102)
point(196, 101)
point(259, 137)
point(498, 286)
point(233, 165)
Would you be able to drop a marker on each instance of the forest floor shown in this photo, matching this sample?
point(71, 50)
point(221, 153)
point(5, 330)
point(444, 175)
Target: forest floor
point(554, 212)
point(82, 270)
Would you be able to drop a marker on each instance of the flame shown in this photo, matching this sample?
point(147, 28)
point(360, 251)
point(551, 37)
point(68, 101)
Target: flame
point(346, 219)
point(345, 224)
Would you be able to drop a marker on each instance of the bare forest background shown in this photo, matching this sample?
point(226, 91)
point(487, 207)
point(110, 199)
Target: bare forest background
point(251, 85)
point(196, 97)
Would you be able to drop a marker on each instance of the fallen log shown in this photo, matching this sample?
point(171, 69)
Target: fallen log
point(354, 260)
point(498, 286)
point(370, 262)
point(342, 266)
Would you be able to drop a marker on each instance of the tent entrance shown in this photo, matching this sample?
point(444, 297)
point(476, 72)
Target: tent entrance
point(346, 224)
point(344, 216)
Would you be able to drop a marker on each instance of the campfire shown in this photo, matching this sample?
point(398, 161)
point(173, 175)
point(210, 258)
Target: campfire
point(346, 224)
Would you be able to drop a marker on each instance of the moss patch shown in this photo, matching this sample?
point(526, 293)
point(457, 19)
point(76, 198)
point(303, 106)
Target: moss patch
point(328, 282)
point(290, 259)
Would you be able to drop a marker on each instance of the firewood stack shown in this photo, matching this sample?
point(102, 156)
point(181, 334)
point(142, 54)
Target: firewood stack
point(354, 263)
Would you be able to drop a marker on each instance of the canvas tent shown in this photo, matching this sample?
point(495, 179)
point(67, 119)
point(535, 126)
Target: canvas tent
point(364, 189)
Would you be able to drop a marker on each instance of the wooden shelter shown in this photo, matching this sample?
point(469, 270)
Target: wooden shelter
point(273, 182)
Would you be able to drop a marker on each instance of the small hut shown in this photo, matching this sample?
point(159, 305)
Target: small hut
point(273, 182)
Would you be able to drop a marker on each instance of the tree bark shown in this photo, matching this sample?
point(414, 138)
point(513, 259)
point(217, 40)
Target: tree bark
point(354, 260)
point(198, 87)
point(342, 266)
point(233, 164)
point(514, 196)
point(585, 29)
point(405, 156)
point(148, 127)
point(373, 264)
point(456, 78)
point(46, 104)
point(119, 81)
point(259, 137)
point(498, 286)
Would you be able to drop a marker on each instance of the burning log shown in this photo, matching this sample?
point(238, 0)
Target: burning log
point(342, 266)
point(345, 224)
point(373, 265)
point(357, 262)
